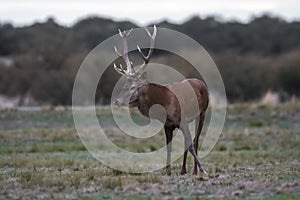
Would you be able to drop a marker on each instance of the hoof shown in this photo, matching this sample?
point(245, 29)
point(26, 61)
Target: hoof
point(203, 175)
point(203, 178)
point(183, 172)
point(204, 171)
point(168, 171)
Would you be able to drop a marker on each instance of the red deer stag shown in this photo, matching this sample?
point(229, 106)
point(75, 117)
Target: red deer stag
point(138, 92)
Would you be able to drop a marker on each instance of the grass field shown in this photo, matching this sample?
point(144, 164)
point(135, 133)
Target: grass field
point(257, 157)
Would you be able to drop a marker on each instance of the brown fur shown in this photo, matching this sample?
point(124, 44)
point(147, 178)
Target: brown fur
point(149, 94)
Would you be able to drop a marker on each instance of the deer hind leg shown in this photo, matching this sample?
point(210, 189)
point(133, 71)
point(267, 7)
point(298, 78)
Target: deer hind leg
point(189, 145)
point(183, 168)
point(169, 136)
point(198, 127)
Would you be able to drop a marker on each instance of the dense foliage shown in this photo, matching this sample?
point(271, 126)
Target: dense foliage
point(253, 58)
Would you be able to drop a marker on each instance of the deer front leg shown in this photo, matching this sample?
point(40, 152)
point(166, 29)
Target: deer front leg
point(189, 144)
point(169, 136)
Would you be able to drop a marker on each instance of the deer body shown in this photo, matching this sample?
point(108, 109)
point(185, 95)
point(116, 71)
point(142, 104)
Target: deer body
point(150, 94)
point(175, 98)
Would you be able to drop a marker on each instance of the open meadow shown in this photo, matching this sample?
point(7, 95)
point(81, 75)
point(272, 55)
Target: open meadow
point(257, 156)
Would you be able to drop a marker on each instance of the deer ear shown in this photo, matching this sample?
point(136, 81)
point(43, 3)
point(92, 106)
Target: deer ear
point(143, 76)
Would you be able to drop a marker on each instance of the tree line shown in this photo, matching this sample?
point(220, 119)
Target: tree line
point(253, 57)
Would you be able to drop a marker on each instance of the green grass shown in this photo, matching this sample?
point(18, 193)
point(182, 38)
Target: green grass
point(256, 157)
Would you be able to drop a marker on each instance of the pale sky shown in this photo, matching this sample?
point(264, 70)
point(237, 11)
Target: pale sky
point(142, 12)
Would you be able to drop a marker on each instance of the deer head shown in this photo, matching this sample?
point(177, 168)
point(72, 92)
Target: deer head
point(135, 77)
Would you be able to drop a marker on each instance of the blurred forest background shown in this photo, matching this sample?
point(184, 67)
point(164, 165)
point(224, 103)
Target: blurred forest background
point(38, 63)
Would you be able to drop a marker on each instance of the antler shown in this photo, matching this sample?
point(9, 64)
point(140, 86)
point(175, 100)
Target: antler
point(129, 71)
point(147, 58)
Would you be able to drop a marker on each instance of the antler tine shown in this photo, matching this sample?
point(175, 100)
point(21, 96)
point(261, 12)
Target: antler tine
point(154, 32)
point(127, 34)
point(120, 33)
point(116, 50)
point(130, 70)
point(124, 33)
point(119, 69)
point(147, 58)
point(152, 39)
